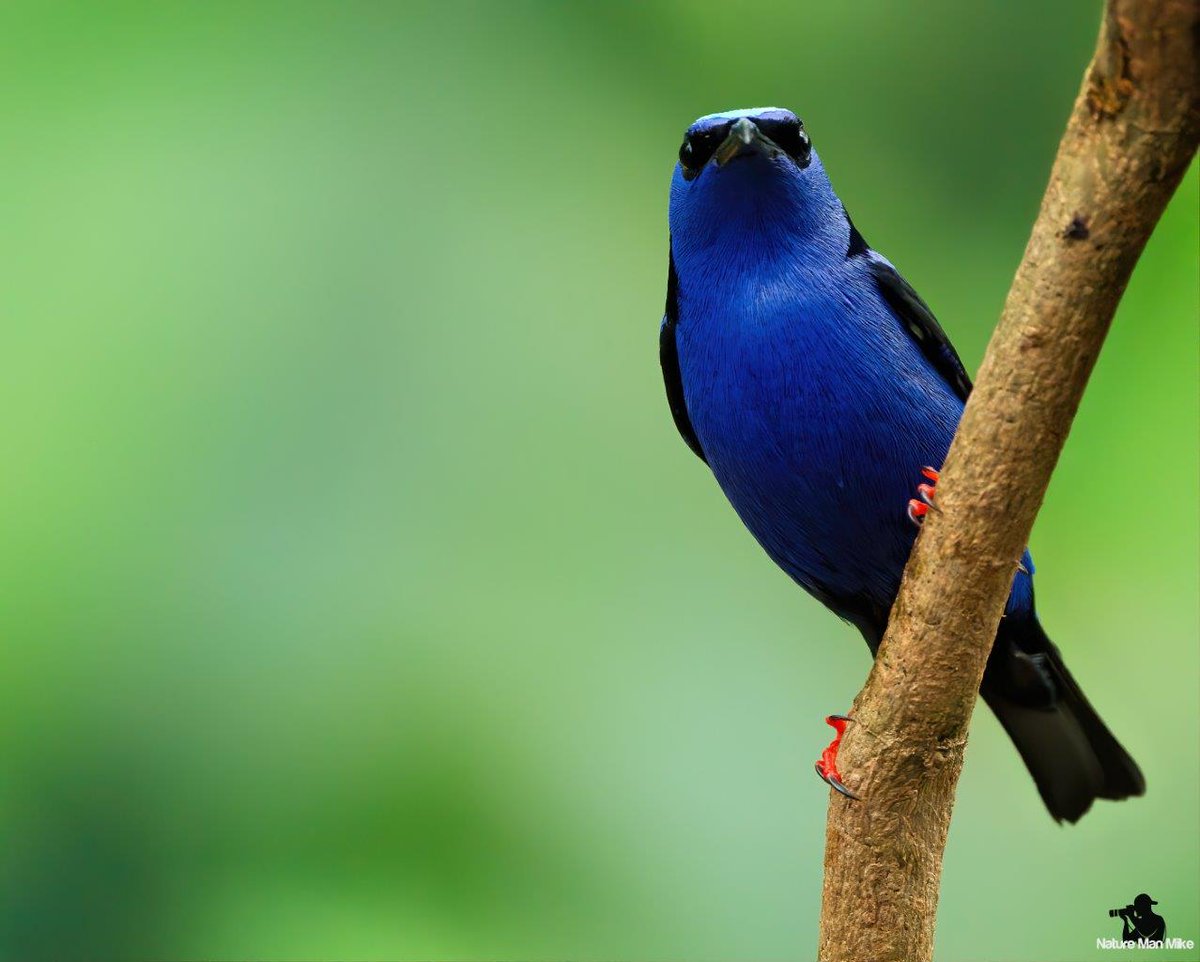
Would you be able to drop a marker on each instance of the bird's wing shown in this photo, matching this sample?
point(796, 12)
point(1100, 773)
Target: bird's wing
point(920, 323)
point(668, 356)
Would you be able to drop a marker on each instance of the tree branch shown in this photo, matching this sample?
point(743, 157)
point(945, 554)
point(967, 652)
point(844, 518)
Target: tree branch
point(1130, 138)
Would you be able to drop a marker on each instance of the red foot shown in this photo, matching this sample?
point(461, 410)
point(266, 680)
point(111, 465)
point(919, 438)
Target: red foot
point(918, 508)
point(827, 764)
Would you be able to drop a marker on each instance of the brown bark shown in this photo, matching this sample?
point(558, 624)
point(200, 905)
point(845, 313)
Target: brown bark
point(1131, 135)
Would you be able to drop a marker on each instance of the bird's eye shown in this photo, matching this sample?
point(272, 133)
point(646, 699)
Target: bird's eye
point(687, 158)
point(698, 147)
point(789, 135)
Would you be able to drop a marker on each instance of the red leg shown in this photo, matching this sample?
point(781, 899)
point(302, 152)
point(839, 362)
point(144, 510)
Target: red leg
point(919, 507)
point(827, 764)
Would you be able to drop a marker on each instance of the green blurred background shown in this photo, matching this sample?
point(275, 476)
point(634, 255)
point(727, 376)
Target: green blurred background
point(359, 597)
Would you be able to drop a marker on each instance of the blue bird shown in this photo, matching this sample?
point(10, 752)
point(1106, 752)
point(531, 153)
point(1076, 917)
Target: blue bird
point(819, 389)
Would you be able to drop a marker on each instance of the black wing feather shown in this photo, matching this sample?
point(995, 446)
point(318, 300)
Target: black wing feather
point(922, 326)
point(668, 356)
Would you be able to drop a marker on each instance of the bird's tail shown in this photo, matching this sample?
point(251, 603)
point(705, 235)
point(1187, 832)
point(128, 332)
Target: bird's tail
point(1069, 751)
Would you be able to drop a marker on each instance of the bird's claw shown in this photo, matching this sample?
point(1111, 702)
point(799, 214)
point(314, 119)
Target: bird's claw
point(920, 506)
point(826, 765)
point(835, 783)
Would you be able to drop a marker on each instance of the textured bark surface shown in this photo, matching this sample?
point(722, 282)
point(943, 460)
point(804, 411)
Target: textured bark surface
point(1130, 138)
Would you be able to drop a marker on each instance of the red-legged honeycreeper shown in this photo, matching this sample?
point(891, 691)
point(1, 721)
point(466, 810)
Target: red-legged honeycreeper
point(818, 387)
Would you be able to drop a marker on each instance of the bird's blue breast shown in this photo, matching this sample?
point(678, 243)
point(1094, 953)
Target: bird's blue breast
point(817, 444)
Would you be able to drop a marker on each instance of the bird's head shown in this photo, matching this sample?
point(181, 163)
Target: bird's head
point(767, 133)
point(750, 179)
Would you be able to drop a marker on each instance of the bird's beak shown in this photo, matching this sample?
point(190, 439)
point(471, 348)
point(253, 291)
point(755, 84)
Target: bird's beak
point(744, 138)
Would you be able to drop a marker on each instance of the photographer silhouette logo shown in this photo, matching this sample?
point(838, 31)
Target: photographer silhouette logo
point(1142, 928)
